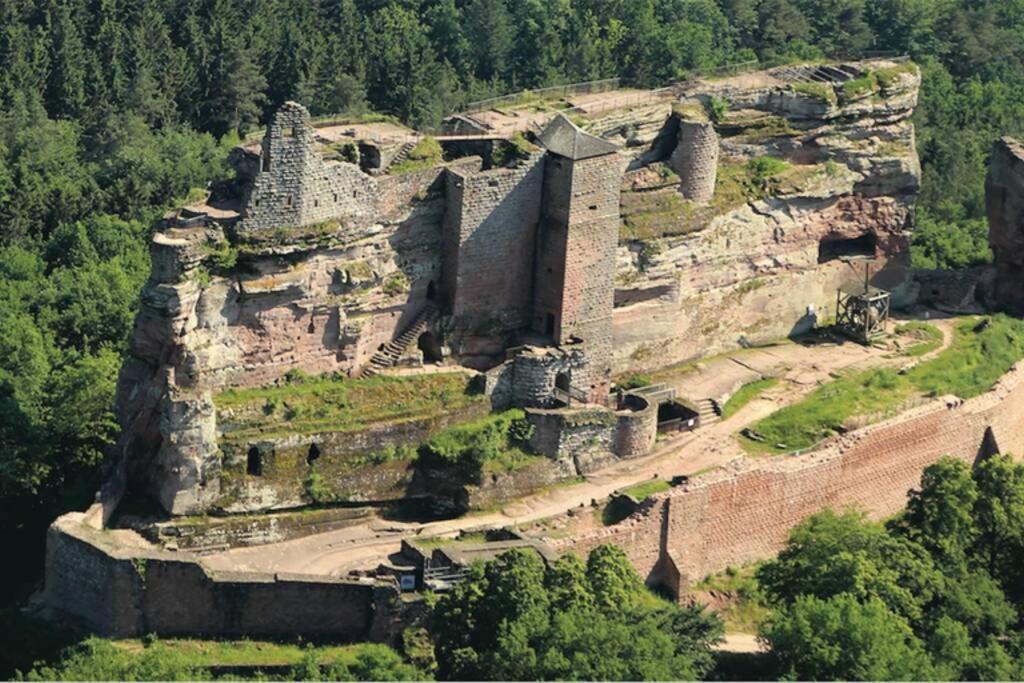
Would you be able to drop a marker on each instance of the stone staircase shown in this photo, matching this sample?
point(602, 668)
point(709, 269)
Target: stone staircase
point(401, 155)
point(388, 356)
point(709, 410)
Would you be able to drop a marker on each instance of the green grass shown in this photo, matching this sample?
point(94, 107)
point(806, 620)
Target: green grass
point(979, 355)
point(425, 154)
point(331, 403)
point(746, 394)
point(647, 489)
point(749, 609)
point(930, 338)
point(818, 91)
point(207, 653)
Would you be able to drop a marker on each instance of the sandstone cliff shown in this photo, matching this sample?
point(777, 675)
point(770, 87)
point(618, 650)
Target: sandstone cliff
point(764, 258)
point(319, 260)
point(1004, 198)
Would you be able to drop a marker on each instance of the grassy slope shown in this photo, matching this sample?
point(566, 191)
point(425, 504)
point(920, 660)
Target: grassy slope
point(977, 358)
point(336, 404)
point(746, 394)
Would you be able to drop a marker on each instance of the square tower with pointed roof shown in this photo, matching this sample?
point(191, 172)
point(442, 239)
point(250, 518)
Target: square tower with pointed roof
point(574, 279)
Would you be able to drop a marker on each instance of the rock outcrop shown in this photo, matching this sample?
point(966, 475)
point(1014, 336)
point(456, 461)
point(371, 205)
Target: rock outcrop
point(765, 257)
point(1004, 199)
point(319, 261)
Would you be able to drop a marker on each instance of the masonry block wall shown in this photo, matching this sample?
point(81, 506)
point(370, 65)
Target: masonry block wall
point(695, 159)
point(120, 590)
point(636, 427)
point(295, 187)
point(745, 512)
point(577, 243)
point(489, 244)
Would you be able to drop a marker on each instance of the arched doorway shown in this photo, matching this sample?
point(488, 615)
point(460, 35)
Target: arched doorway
point(313, 454)
point(431, 348)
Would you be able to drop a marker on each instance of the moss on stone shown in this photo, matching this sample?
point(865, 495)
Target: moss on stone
point(337, 404)
point(818, 91)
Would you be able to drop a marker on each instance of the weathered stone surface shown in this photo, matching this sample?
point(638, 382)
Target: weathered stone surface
point(334, 262)
point(1004, 199)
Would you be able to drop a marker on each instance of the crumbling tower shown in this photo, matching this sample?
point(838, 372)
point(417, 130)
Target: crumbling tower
point(695, 158)
point(577, 237)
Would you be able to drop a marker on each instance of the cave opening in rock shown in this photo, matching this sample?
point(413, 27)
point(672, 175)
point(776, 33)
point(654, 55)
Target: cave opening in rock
point(313, 454)
point(832, 249)
point(254, 463)
point(431, 348)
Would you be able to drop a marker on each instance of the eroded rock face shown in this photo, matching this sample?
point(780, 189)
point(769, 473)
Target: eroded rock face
point(324, 296)
point(764, 268)
point(1004, 199)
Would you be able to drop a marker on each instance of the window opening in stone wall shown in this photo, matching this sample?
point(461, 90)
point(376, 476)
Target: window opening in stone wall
point(266, 161)
point(335, 197)
point(428, 344)
point(852, 248)
point(431, 291)
point(593, 207)
point(492, 183)
point(316, 203)
point(562, 381)
point(313, 454)
point(254, 463)
point(288, 200)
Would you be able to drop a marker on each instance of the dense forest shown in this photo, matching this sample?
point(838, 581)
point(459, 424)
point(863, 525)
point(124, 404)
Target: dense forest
point(112, 110)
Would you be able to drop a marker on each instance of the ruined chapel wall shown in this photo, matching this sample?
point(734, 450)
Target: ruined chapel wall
point(745, 512)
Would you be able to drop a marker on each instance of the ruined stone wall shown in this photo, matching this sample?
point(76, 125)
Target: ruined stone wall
point(120, 589)
point(695, 159)
point(343, 462)
point(490, 250)
point(1004, 200)
point(583, 438)
point(295, 186)
point(745, 512)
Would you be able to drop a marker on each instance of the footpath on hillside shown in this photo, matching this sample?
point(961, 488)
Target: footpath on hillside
point(800, 367)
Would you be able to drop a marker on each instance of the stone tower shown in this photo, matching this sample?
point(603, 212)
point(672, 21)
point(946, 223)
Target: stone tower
point(577, 237)
point(695, 158)
point(295, 187)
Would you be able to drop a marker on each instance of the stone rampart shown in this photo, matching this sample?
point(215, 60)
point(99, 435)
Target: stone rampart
point(120, 589)
point(745, 511)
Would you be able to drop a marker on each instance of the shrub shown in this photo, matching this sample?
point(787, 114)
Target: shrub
point(472, 444)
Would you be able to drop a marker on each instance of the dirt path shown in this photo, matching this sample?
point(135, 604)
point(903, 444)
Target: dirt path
point(740, 642)
point(802, 369)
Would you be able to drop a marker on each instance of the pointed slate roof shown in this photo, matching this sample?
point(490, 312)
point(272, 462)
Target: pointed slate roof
point(564, 138)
